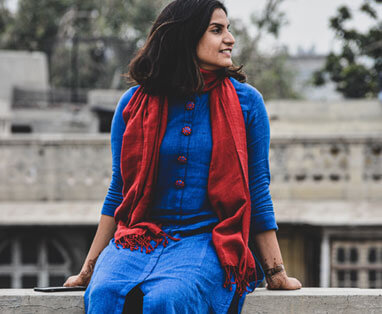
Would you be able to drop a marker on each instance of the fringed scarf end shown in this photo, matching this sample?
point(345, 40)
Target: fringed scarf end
point(134, 242)
point(241, 280)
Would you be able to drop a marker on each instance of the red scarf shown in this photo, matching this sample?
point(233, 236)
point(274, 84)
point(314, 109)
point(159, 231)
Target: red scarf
point(228, 191)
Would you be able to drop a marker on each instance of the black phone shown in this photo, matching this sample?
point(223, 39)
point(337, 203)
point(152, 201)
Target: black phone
point(60, 289)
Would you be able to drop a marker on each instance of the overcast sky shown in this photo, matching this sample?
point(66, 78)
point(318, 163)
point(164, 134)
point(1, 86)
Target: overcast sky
point(308, 20)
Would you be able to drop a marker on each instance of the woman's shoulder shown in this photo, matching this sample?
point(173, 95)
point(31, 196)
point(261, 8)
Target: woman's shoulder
point(126, 96)
point(122, 103)
point(249, 96)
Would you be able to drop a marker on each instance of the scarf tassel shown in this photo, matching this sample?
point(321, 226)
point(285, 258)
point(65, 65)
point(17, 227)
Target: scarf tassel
point(134, 242)
point(241, 280)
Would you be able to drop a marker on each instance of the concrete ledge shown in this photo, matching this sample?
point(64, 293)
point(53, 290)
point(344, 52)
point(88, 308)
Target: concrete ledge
point(315, 300)
point(27, 301)
point(307, 300)
point(328, 213)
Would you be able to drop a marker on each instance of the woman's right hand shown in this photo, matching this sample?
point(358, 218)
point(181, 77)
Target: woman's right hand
point(105, 232)
point(77, 280)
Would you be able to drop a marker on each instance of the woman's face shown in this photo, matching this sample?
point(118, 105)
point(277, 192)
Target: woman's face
point(215, 47)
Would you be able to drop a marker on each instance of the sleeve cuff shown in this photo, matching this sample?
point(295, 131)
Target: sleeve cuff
point(263, 222)
point(107, 211)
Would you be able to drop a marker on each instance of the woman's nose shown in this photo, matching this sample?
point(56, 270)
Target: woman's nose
point(229, 39)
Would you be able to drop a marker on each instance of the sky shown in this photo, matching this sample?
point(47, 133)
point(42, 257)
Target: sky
point(308, 21)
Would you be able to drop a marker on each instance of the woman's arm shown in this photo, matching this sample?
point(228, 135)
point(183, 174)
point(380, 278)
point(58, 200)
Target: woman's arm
point(272, 262)
point(105, 232)
point(106, 226)
point(263, 223)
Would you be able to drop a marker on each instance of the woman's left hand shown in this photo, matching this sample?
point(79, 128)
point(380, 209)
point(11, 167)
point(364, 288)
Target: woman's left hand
point(280, 281)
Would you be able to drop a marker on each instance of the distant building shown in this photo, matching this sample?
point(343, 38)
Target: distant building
point(303, 66)
point(326, 168)
point(19, 69)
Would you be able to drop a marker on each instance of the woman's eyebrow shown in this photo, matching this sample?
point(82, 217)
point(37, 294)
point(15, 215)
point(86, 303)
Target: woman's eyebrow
point(218, 24)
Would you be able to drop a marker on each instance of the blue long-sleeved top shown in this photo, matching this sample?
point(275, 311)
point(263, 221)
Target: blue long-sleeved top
point(181, 199)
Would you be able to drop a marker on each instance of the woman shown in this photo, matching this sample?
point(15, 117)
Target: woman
point(190, 179)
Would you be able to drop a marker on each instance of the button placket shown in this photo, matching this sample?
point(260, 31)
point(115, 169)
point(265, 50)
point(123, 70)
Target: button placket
point(182, 159)
point(179, 184)
point(190, 106)
point(186, 132)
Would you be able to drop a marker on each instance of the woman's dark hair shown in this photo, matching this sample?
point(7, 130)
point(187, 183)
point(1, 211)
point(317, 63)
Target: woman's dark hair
point(167, 64)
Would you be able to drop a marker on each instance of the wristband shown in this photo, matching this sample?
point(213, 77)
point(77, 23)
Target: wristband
point(271, 271)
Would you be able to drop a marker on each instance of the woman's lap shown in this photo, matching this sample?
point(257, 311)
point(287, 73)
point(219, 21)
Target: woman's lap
point(184, 277)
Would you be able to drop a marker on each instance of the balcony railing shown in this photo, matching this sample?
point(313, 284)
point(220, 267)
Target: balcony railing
point(77, 167)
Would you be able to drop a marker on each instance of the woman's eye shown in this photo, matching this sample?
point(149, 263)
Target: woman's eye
point(216, 30)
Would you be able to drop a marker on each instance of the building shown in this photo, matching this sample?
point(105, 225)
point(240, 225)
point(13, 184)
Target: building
point(326, 167)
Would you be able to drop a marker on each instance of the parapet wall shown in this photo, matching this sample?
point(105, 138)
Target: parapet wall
point(43, 167)
point(306, 300)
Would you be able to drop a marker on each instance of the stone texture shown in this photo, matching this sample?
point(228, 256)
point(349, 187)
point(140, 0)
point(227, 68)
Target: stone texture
point(64, 119)
point(15, 301)
point(315, 300)
point(306, 300)
point(74, 167)
point(363, 110)
point(299, 117)
point(50, 213)
point(326, 213)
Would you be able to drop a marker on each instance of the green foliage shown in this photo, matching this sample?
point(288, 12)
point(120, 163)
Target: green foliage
point(109, 33)
point(269, 73)
point(35, 25)
point(5, 18)
point(356, 67)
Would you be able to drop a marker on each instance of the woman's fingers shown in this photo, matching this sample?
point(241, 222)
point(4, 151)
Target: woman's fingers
point(74, 281)
point(293, 284)
point(280, 281)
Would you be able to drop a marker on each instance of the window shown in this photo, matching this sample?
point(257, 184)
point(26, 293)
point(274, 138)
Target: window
point(356, 263)
point(30, 261)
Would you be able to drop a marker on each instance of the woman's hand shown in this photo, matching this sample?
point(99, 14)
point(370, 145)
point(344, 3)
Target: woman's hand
point(272, 262)
point(77, 280)
point(280, 281)
point(83, 278)
point(105, 231)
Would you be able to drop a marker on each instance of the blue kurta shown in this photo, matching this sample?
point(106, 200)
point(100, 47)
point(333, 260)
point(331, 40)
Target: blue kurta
point(185, 276)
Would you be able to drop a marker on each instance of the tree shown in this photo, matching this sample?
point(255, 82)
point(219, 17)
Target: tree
point(89, 43)
point(35, 25)
point(268, 72)
point(355, 69)
point(105, 34)
point(5, 19)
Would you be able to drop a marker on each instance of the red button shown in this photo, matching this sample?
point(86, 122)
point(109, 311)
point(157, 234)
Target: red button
point(182, 159)
point(186, 130)
point(179, 184)
point(190, 106)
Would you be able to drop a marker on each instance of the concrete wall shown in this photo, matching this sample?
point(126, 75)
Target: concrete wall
point(5, 118)
point(22, 69)
point(73, 167)
point(67, 119)
point(54, 168)
point(19, 69)
point(304, 301)
point(289, 117)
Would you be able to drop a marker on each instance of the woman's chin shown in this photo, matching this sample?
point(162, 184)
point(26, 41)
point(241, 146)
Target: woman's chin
point(216, 67)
